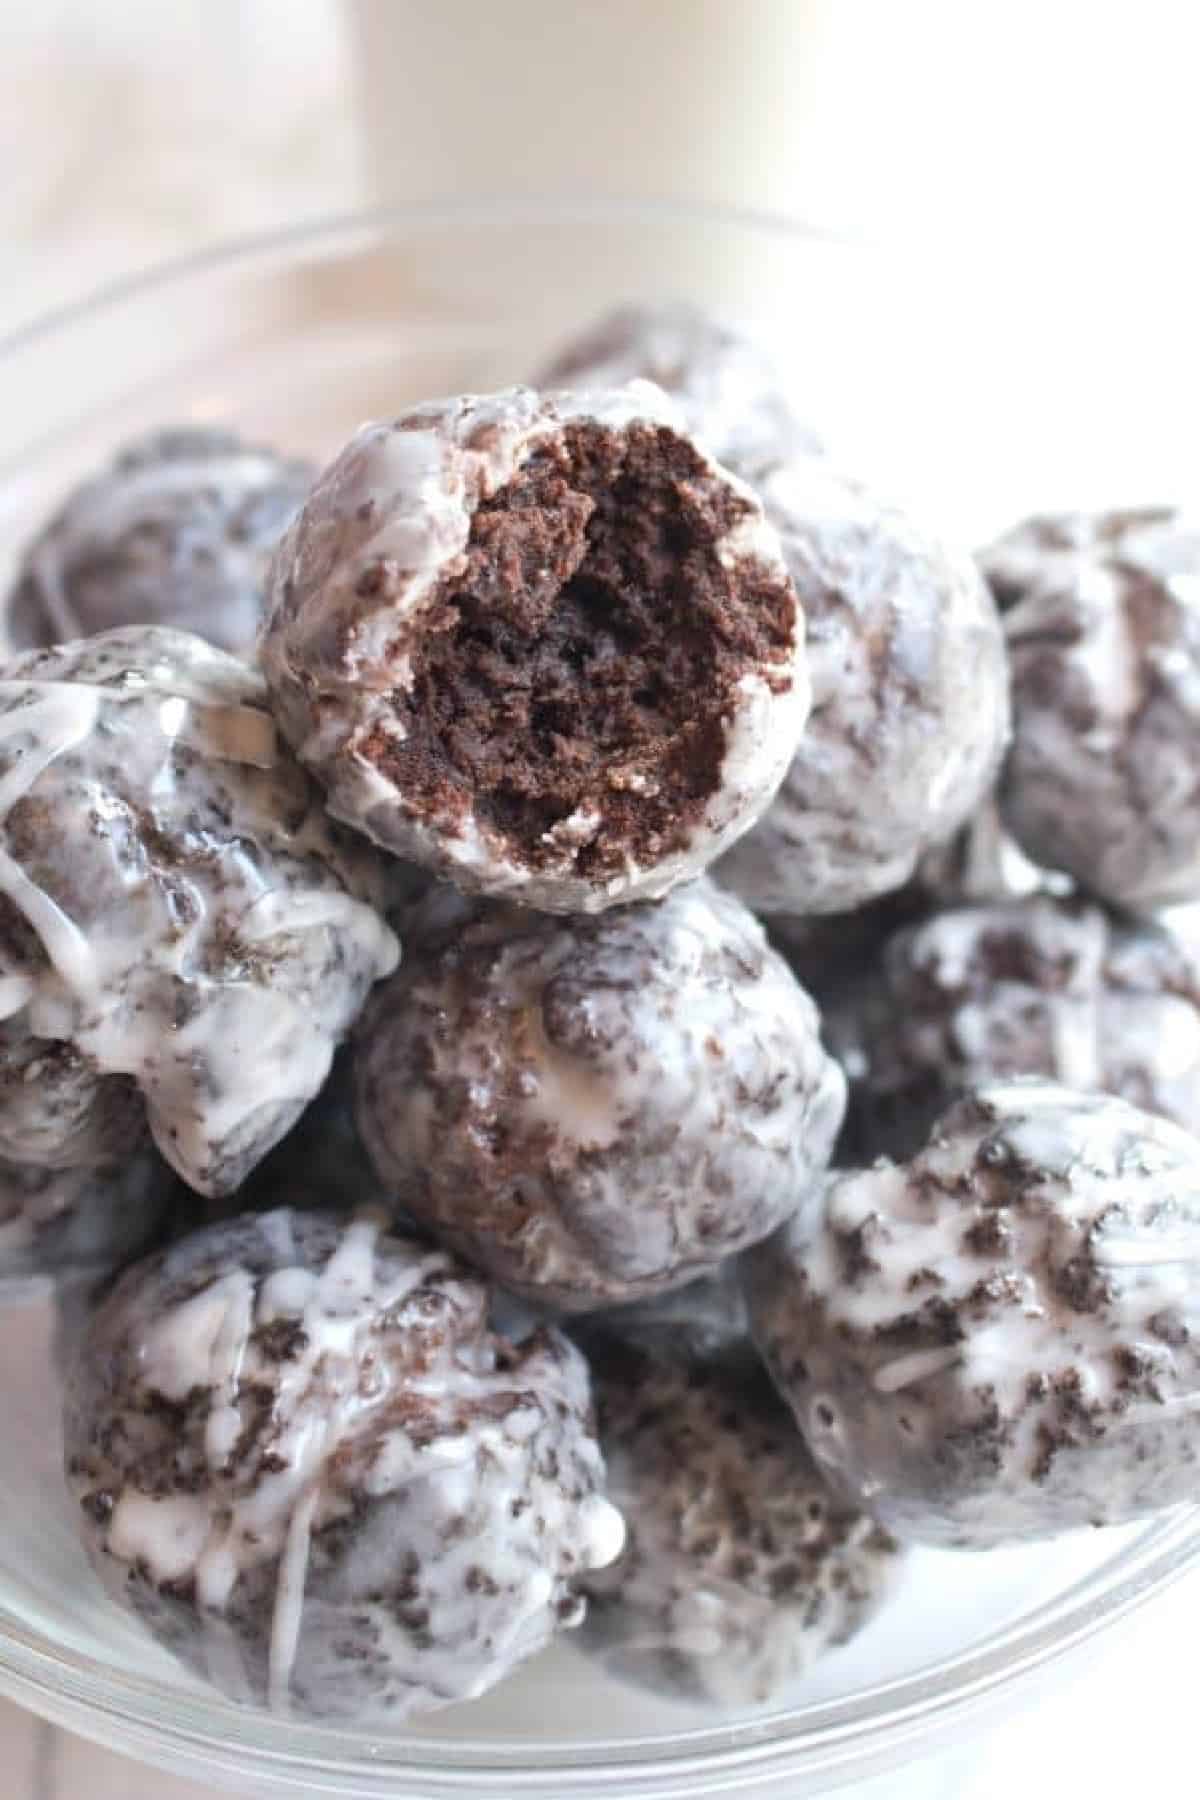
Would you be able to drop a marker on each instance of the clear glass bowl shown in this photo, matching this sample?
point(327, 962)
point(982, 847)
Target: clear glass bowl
point(968, 399)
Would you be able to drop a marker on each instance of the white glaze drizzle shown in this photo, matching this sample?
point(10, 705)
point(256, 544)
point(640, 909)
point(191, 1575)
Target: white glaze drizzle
point(1100, 1193)
point(180, 728)
point(62, 720)
point(890, 1377)
point(332, 1396)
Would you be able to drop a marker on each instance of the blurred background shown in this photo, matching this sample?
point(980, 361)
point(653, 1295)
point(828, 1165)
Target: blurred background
point(132, 133)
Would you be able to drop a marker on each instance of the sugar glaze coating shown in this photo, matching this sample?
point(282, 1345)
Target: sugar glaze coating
point(729, 395)
point(740, 1568)
point(1051, 550)
point(829, 952)
point(56, 1111)
point(302, 1459)
point(81, 1188)
point(177, 531)
point(79, 1221)
point(542, 646)
point(1026, 987)
point(910, 700)
point(174, 902)
point(601, 1108)
point(983, 863)
point(996, 1341)
point(1104, 639)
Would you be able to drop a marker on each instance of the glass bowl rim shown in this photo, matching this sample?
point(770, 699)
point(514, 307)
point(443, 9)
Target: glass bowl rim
point(331, 229)
point(128, 1711)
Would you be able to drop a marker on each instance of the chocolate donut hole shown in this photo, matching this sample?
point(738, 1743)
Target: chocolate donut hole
point(585, 662)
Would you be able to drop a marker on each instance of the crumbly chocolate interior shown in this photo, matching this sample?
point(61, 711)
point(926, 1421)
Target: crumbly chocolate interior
point(587, 658)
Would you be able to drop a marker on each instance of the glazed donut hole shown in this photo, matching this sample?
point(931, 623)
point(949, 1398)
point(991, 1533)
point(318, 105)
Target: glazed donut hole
point(991, 1342)
point(740, 1568)
point(178, 530)
point(1036, 986)
point(304, 1463)
point(910, 700)
point(1102, 639)
point(593, 680)
point(178, 914)
point(602, 641)
point(595, 1109)
point(728, 390)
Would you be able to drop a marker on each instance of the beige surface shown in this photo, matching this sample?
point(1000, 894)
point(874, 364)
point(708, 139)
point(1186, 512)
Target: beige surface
point(234, 116)
point(41, 1763)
